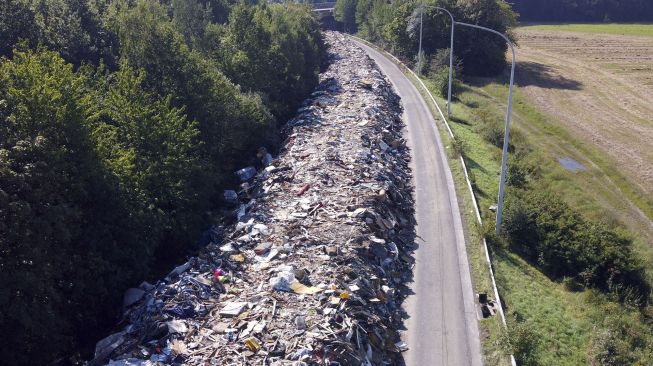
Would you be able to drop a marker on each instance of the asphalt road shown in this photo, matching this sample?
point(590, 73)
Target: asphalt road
point(442, 328)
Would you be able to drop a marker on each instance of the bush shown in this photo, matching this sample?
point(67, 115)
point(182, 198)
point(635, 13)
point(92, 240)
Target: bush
point(517, 171)
point(563, 243)
point(492, 132)
point(489, 126)
point(441, 81)
point(457, 148)
point(622, 340)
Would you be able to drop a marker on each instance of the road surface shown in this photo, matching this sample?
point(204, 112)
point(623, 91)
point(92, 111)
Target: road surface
point(442, 328)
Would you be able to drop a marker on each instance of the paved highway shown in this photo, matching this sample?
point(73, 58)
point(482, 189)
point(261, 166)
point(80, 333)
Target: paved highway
point(442, 328)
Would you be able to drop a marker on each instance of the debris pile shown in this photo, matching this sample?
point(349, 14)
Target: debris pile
point(312, 272)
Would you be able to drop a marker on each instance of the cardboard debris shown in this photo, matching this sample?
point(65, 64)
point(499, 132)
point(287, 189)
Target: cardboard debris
point(300, 288)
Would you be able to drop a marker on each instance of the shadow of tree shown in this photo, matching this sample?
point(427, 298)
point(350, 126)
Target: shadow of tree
point(543, 76)
point(529, 73)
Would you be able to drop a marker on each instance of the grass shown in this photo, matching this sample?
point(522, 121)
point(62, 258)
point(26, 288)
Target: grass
point(631, 29)
point(558, 317)
point(599, 192)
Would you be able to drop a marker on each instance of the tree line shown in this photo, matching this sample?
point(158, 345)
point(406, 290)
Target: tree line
point(121, 123)
point(584, 10)
point(396, 26)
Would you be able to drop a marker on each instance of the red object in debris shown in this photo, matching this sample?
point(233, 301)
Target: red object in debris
point(303, 189)
point(217, 273)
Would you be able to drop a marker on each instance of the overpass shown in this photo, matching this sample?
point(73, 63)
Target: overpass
point(326, 6)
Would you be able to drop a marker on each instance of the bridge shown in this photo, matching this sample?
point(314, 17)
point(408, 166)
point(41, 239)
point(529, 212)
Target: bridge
point(326, 6)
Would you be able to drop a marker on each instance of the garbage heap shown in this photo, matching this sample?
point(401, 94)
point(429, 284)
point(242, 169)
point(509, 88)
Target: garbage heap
point(312, 272)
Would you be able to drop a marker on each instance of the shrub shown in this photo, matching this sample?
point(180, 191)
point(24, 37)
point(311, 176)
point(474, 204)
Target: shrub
point(492, 132)
point(441, 81)
point(517, 171)
point(457, 148)
point(622, 340)
point(563, 243)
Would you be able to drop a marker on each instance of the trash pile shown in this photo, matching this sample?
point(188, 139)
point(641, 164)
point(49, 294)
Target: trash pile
point(312, 272)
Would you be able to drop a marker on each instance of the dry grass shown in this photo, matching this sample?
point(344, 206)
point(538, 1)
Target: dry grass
point(598, 87)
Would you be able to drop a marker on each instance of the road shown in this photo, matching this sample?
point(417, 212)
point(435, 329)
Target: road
point(442, 328)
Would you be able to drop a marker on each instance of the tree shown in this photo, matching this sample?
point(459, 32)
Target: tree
point(231, 123)
point(63, 222)
point(483, 53)
point(275, 50)
point(396, 33)
point(345, 12)
point(371, 16)
point(16, 23)
point(153, 152)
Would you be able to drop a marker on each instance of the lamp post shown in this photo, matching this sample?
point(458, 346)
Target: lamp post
point(419, 55)
point(507, 128)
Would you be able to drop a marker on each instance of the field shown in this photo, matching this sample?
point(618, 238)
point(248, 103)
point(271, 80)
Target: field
point(598, 90)
point(619, 29)
point(581, 98)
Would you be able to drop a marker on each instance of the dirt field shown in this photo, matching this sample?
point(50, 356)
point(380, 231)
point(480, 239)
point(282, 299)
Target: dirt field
point(599, 87)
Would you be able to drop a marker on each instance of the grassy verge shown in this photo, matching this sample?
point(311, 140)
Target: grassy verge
point(599, 192)
point(493, 334)
point(635, 29)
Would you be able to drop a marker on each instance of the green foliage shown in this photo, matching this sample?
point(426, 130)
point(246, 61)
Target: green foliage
point(371, 18)
point(395, 32)
point(489, 126)
point(441, 82)
point(524, 342)
point(274, 50)
point(191, 18)
point(397, 25)
point(518, 170)
point(623, 340)
point(458, 148)
point(16, 23)
point(483, 53)
point(63, 221)
point(154, 153)
point(345, 12)
point(548, 232)
point(71, 27)
point(231, 123)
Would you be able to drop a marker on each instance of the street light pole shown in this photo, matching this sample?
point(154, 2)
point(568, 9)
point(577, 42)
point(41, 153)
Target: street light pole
point(507, 128)
point(419, 53)
point(453, 26)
